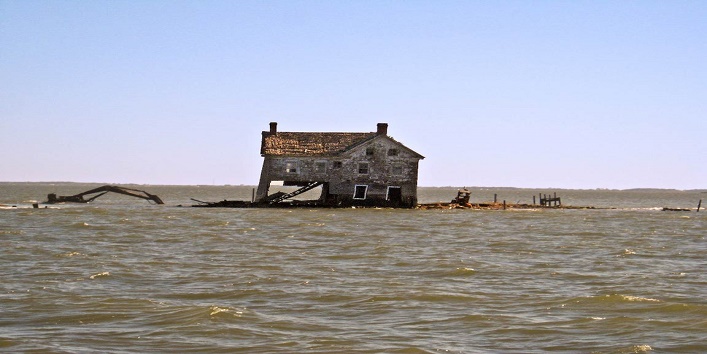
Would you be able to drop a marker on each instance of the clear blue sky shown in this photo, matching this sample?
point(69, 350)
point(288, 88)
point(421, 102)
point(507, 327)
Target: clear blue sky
point(564, 94)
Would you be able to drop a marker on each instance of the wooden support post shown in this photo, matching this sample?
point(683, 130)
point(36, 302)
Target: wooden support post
point(699, 205)
point(504, 205)
point(252, 198)
point(533, 200)
point(494, 198)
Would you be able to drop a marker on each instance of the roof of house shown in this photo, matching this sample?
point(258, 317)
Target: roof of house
point(315, 144)
point(310, 144)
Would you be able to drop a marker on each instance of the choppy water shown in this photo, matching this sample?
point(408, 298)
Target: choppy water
point(120, 275)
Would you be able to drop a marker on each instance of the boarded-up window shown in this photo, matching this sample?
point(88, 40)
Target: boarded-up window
point(320, 167)
point(363, 168)
point(360, 191)
point(397, 170)
point(370, 151)
point(337, 164)
point(393, 152)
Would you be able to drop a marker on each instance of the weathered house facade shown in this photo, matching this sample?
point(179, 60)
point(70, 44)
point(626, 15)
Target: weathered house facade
point(366, 169)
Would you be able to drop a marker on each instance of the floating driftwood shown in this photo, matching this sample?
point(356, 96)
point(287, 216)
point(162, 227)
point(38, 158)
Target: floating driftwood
point(52, 198)
point(676, 209)
point(223, 204)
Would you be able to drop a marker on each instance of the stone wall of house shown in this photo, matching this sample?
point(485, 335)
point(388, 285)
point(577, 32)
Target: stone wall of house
point(377, 164)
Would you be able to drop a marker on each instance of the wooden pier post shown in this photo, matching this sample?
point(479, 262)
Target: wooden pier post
point(699, 205)
point(533, 200)
point(494, 198)
point(504, 205)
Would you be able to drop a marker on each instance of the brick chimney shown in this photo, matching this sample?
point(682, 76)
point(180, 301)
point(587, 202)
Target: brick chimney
point(382, 129)
point(273, 127)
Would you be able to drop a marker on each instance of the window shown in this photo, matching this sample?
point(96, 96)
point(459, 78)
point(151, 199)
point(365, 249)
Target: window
point(397, 170)
point(320, 167)
point(363, 168)
point(291, 167)
point(393, 152)
point(370, 151)
point(337, 164)
point(360, 191)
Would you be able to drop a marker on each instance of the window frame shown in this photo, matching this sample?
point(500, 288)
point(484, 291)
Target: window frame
point(356, 190)
point(292, 166)
point(367, 168)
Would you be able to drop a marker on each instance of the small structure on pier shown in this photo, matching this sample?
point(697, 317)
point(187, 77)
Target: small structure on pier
point(353, 169)
point(549, 200)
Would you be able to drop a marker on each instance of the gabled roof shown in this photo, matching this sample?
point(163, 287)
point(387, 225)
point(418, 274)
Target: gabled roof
point(309, 144)
point(276, 143)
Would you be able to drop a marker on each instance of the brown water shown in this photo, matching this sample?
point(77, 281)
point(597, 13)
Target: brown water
point(120, 275)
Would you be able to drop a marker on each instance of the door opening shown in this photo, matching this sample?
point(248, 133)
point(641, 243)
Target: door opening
point(395, 194)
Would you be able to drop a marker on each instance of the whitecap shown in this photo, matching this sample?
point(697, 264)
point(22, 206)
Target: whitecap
point(642, 348)
point(627, 252)
point(638, 298)
point(215, 310)
point(466, 269)
point(71, 254)
point(102, 274)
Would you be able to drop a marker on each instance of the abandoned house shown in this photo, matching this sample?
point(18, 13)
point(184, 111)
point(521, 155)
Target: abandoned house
point(353, 169)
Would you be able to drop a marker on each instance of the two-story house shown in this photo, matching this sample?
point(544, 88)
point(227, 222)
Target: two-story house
point(367, 169)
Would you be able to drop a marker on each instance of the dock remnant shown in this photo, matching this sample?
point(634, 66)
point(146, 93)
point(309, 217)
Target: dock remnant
point(546, 200)
point(52, 198)
point(462, 202)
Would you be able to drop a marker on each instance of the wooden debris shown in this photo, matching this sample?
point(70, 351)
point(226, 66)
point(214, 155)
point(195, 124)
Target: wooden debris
point(675, 209)
point(78, 198)
point(494, 206)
